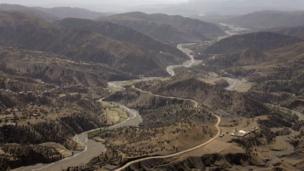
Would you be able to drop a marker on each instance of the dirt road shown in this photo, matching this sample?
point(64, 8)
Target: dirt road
point(178, 153)
point(171, 71)
point(93, 148)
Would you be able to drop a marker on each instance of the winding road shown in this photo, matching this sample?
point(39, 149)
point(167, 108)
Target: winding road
point(233, 83)
point(195, 103)
point(93, 148)
point(170, 70)
point(178, 153)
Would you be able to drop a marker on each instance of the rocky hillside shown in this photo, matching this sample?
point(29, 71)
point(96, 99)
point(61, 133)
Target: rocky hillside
point(89, 45)
point(260, 41)
point(33, 113)
point(285, 71)
point(224, 162)
point(273, 61)
point(212, 96)
point(167, 122)
point(292, 31)
point(44, 102)
point(54, 69)
point(244, 50)
point(46, 99)
point(168, 29)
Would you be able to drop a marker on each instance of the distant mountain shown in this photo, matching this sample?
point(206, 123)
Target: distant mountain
point(260, 41)
point(225, 7)
point(280, 70)
point(274, 61)
point(268, 19)
point(168, 28)
point(89, 41)
point(245, 50)
point(68, 12)
point(52, 13)
point(116, 32)
point(27, 10)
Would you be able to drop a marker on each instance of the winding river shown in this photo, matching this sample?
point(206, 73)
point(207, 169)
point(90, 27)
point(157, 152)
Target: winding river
point(187, 64)
point(93, 148)
point(171, 70)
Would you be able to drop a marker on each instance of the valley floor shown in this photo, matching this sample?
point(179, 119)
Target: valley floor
point(195, 118)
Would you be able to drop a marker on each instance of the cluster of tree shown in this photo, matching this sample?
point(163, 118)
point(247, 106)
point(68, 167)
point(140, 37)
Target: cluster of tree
point(27, 155)
point(262, 137)
point(27, 151)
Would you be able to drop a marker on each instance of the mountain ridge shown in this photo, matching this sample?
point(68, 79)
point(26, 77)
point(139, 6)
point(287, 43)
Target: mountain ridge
point(28, 32)
point(171, 29)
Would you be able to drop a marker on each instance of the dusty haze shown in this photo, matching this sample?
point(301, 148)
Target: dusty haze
point(98, 5)
point(184, 7)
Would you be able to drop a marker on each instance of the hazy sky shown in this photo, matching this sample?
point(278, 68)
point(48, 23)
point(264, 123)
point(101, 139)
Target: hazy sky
point(198, 6)
point(91, 2)
point(109, 5)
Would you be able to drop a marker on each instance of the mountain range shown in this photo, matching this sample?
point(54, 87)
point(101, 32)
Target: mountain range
point(65, 71)
point(168, 28)
point(52, 13)
point(89, 41)
point(226, 7)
